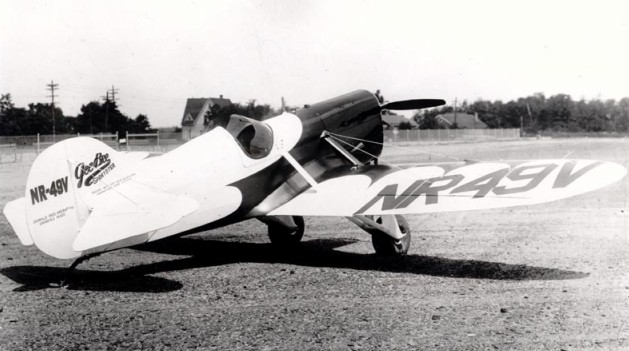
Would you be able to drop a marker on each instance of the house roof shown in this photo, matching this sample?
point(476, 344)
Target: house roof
point(395, 120)
point(195, 105)
point(463, 120)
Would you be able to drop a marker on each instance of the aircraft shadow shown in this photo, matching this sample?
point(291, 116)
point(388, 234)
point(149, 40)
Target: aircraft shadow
point(40, 277)
point(320, 253)
point(313, 253)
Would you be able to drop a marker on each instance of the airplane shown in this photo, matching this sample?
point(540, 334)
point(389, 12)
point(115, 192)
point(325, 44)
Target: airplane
point(84, 198)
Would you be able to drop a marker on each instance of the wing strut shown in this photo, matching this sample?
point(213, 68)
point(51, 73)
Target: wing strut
point(301, 170)
point(327, 137)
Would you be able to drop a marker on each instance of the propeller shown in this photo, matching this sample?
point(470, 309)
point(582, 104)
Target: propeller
point(412, 104)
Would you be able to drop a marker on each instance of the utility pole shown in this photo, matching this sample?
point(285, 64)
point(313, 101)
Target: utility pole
point(91, 129)
point(113, 91)
point(457, 125)
point(52, 86)
point(106, 99)
point(113, 94)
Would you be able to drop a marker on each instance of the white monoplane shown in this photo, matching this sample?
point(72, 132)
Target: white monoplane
point(83, 198)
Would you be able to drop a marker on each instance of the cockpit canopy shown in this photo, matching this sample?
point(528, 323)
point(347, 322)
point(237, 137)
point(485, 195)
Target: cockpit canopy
point(254, 137)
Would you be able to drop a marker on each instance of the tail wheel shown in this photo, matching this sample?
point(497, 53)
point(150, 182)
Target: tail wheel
point(386, 245)
point(285, 236)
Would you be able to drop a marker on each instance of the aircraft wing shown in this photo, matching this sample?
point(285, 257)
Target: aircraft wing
point(428, 188)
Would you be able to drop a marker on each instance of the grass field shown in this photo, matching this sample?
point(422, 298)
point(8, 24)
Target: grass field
point(552, 276)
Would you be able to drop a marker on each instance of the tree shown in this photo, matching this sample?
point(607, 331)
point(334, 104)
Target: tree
point(405, 125)
point(621, 120)
point(427, 119)
point(219, 115)
point(36, 119)
point(96, 117)
point(11, 118)
point(5, 103)
point(560, 109)
point(141, 124)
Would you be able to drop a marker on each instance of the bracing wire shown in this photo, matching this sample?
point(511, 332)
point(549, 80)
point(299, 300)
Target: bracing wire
point(398, 147)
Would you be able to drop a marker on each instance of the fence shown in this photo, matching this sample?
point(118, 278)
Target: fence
point(165, 141)
point(447, 135)
point(42, 141)
point(555, 134)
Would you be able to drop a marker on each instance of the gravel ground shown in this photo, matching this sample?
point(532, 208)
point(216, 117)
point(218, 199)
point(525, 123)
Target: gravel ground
point(551, 276)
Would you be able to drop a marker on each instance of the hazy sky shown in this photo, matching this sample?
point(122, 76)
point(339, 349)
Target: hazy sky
point(159, 53)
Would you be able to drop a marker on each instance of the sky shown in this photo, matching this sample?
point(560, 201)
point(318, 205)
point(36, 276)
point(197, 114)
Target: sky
point(159, 53)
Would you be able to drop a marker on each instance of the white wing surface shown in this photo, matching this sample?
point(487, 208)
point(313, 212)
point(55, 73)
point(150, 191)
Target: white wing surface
point(452, 187)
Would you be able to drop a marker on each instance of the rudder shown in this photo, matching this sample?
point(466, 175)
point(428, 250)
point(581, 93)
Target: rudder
point(60, 189)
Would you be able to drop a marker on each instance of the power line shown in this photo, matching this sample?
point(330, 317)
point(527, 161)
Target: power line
point(52, 86)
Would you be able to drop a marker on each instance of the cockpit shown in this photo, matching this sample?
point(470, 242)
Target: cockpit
point(254, 137)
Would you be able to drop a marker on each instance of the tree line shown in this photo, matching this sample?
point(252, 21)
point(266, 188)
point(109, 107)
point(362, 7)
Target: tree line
point(94, 118)
point(533, 114)
point(537, 113)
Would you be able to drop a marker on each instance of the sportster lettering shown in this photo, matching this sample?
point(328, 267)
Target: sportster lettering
point(532, 175)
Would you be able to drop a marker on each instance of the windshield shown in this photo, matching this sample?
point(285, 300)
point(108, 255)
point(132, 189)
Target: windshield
point(254, 137)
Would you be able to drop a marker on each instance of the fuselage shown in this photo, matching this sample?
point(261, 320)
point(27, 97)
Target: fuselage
point(230, 186)
point(274, 181)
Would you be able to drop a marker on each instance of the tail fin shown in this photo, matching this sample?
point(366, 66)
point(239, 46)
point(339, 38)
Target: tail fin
point(60, 189)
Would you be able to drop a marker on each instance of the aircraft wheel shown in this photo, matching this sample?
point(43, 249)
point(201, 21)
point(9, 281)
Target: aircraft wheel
point(283, 236)
point(387, 246)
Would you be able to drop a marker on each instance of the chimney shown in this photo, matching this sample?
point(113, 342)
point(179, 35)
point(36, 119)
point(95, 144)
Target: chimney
point(221, 96)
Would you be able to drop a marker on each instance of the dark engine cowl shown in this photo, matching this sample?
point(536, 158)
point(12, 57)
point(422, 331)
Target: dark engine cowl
point(355, 115)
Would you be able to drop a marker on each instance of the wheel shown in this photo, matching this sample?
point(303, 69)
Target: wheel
point(386, 245)
point(286, 237)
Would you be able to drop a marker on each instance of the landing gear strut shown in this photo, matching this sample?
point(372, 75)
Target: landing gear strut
point(390, 234)
point(285, 231)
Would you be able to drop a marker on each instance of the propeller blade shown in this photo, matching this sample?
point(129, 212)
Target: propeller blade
point(413, 104)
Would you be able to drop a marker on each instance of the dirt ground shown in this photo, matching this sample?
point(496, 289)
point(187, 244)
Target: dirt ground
point(547, 277)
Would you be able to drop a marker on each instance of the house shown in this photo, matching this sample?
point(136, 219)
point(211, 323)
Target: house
point(462, 120)
point(392, 121)
point(193, 122)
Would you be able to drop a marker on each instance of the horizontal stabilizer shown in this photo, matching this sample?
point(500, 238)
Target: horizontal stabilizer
point(15, 211)
point(128, 211)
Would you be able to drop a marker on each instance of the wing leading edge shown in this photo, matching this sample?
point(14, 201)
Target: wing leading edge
point(448, 187)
